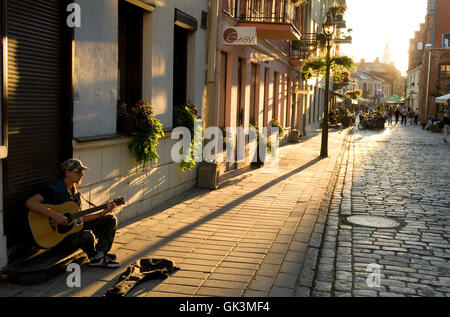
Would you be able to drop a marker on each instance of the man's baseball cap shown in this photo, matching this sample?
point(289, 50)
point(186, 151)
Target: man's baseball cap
point(73, 165)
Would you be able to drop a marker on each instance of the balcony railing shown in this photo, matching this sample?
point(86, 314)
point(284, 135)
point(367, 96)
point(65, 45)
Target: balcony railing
point(304, 47)
point(262, 11)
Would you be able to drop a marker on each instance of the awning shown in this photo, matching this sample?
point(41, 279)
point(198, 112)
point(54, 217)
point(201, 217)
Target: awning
point(394, 99)
point(340, 97)
point(144, 4)
point(442, 99)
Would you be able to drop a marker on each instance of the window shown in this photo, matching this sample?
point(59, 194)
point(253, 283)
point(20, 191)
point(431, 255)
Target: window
point(444, 71)
point(223, 90)
point(275, 95)
point(266, 96)
point(240, 92)
point(253, 94)
point(180, 64)
point(445, 40)
point(130, 53)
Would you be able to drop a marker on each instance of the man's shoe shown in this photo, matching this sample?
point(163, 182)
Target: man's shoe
point(112, 256)
point(105, 262)
point(445, 140)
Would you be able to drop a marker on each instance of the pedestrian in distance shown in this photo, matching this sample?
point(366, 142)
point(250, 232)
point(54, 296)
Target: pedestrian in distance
point(411, 116)
point(404, 113)
point(397, 114)
point(446, 127)
point(416, 116)
point(390, 112)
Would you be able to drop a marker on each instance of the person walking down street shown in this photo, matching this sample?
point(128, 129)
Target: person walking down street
point(390, 111)
point(397, 114)
point(416, 116)
point(411, 116)
point(404, 113)
point(446, 123)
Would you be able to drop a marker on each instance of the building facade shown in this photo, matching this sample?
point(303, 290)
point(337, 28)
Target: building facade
point(413, 87)
point(64, 76)
point(378, 80)
point(68, 65)
point(429, 57)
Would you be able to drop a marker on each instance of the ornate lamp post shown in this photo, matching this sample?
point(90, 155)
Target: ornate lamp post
point(328, 28)
point(354, 94)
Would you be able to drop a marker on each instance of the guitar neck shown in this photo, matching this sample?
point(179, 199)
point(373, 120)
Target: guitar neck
point(88, 211)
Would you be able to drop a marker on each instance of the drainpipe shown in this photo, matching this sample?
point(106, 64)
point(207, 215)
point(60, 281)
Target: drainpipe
point(210, 75)
point(428, 85)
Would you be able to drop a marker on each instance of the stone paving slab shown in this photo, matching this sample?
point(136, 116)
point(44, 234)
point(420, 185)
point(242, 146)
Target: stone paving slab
point(258, 234)
point(403, 173)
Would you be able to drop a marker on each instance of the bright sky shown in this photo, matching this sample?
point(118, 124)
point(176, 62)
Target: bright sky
point(376, 22)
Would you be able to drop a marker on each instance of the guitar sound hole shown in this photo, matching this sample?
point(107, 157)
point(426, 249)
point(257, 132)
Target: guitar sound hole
point(63, 229)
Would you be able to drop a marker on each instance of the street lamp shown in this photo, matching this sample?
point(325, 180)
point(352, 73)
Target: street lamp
point(328, 28)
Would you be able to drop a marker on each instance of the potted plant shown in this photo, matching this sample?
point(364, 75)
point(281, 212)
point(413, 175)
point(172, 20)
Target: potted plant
point(148, 132)
point(353, 94)
point(185, 116)
point(259, 138)
point(423, 124)
point(275, 123)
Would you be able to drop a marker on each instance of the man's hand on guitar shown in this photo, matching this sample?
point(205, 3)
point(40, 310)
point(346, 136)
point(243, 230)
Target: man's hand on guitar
point(60, 219)
point(109, 208)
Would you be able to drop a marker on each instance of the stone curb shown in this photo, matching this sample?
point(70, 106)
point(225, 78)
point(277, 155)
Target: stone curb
point(306, 277)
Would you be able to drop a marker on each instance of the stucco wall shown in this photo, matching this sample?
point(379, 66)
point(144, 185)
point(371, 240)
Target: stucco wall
point(114, 173)
point(162, 57)
point(95, 64)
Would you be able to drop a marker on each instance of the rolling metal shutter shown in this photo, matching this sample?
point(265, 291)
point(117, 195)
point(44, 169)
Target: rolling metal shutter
point(36, 105)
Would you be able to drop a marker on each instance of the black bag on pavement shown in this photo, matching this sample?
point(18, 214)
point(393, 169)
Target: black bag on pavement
point(139, 271)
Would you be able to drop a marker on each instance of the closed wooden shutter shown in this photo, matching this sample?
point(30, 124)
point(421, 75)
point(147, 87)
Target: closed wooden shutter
point(36, 105)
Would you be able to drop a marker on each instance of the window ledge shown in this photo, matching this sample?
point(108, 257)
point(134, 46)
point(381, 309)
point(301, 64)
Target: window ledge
point(106, 140)
point(99, 141)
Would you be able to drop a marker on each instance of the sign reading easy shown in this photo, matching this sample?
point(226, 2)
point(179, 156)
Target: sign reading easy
point(239, 36)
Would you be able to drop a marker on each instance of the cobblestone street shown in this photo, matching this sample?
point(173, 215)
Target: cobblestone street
point(401, 172)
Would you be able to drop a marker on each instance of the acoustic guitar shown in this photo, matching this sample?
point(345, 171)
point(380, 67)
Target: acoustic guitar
point(47, 233)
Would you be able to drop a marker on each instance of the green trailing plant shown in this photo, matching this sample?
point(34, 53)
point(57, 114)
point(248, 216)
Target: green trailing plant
point(275, 123)
point(261, 137)
point(185, 116)
point(353, 94)
point(340, 67)
point(336, 10)
point(148, 132)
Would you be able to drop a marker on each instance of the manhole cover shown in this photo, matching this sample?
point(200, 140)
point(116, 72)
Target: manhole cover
point(373, 221)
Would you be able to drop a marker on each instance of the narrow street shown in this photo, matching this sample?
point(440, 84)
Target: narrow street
point(402, 173)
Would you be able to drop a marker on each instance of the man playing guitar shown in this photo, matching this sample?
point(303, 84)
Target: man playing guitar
point(97, 235)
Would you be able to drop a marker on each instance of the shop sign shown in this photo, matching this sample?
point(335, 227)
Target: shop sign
point(239, 36)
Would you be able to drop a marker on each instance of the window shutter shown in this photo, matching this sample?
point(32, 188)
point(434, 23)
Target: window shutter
point(36, 105)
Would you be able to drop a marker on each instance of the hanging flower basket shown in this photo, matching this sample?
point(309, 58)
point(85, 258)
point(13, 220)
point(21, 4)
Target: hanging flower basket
point(148, 132)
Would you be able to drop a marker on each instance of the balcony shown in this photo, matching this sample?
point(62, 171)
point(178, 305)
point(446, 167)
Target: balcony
point(273, 19)
point(344, 40)
point(303, 48)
